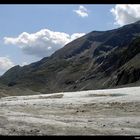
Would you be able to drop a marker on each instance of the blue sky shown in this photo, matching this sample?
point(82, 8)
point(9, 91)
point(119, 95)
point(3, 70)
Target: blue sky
point(34, 19)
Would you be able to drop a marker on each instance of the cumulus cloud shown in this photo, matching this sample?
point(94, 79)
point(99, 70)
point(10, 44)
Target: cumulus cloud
point(5, 64)
point(82, 11)
point(126, 13)
point(42, 43)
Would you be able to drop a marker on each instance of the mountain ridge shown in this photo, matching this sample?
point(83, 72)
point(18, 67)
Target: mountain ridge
point(99, 59)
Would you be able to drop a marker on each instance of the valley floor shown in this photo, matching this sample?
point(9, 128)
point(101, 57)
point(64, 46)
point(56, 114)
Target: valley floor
point(95, 112)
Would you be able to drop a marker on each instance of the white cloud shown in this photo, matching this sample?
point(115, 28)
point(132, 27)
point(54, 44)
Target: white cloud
point(126, 13)
point(42, 43)
point(82, 11)
point(24, 63)
point(5, 64)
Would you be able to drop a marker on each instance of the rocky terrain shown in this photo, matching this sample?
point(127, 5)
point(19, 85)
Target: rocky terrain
point(93, 112)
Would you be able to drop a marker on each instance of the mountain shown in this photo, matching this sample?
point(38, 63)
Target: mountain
point(99, 59)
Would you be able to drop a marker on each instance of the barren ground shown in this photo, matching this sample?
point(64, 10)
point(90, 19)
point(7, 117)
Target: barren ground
point(95, 112)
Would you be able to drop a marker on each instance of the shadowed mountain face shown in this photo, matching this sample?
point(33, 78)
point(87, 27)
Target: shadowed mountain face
point(100, 59)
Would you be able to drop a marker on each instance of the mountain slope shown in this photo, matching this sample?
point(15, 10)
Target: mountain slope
point(100, 59)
